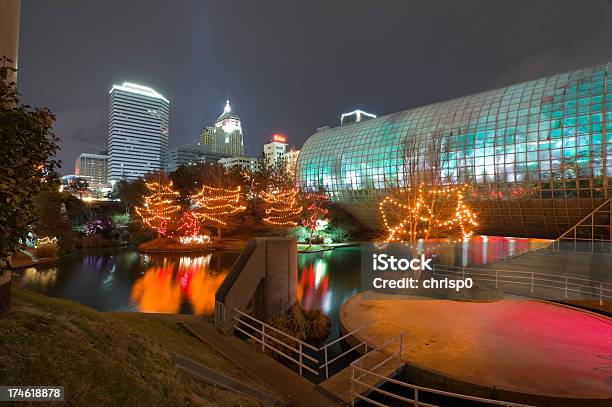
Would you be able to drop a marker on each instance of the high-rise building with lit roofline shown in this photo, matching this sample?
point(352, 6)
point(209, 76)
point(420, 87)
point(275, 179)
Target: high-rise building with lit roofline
point(138, 131)
point(228, 133)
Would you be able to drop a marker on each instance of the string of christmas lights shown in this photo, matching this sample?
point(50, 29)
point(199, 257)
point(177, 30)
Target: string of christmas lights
point(282, 207)
point(159, 206)
point(188, 225)
point(426, 214)
point(315, 210)
point(217, 205)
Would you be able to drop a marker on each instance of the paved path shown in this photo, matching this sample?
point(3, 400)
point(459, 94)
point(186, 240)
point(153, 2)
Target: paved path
point(296, 389)
point(518, 345)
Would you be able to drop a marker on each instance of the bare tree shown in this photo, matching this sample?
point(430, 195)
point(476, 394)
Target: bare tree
point(425, 205)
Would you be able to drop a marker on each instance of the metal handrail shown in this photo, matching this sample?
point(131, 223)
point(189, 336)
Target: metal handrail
point(532, 279)
point(422, 389)
point(473, 270)
point(593, 212)
point(357, 367)
point(277, 330)
point(298, 344)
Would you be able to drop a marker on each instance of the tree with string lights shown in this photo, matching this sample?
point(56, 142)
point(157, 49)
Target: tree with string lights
point(217, 206)
point(314, 211)
point(159, 206)
point(433, 213)
point(427, 206)
point(281, 207)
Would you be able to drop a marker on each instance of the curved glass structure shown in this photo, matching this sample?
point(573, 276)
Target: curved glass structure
point(536, 155)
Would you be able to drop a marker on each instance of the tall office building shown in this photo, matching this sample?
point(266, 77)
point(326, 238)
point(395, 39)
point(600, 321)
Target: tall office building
point(10, 12)
point(191, 155)
point(207, 138)
point(94, 168)
point(228, 133)
point(242, 161)
point(138, 131)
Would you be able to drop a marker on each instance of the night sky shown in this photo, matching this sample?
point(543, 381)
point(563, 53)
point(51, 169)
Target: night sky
point(289, 66)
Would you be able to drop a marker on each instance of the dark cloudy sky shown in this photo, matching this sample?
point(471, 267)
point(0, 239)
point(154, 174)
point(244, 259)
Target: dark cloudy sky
point(289, 66)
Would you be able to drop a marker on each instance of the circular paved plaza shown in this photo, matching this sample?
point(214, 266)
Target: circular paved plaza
point(519, 345)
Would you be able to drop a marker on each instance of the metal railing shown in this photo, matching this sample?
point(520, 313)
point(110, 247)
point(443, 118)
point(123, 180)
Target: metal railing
point(366, 381)
point(263, 335)
point(300, 353)
point(325, 348)
point(562, 285)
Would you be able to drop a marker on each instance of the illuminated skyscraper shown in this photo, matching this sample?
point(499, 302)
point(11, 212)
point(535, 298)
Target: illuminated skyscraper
point(92, 167)
point(228, 133)
point(207, 138)
point(138, 131)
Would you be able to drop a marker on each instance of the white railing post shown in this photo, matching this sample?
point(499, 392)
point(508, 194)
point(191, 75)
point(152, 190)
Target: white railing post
point(495, 278)
point(352, 385)
point(263, 338)
point(399, 356)
point(566, 287)
point(326, 365)
point(463, 273)
point(301, 359)
point(532, 282)
point(416, 397)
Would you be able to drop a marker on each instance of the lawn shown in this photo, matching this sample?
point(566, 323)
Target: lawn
point(105, 359)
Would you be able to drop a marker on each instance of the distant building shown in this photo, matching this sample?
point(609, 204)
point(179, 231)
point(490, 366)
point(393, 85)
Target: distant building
point(93, 168)
point(191, 155)
point(138, 131)
point(228, 133)
point(207, 138)
point(240, 161)
point(275, 150)
point(355, 116)
point(10, 11)
point(74, 183)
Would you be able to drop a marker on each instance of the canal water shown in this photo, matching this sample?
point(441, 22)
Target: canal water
point(122, 279)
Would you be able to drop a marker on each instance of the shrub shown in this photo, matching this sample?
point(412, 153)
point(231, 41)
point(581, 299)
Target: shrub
point(50, 249)
point(97, 241)
point(304, 324)
point(104, 227)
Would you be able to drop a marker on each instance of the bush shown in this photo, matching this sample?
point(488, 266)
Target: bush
point(49, 249)
point(304, 324)
point(104, 227)
point(121, 219)
point(168, 244)
point(98, 241)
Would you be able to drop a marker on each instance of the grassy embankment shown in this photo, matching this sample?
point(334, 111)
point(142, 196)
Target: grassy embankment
point(105, 359)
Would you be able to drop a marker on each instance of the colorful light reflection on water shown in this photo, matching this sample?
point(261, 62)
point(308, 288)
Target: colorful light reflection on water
point(119, 279)
point(167, 287)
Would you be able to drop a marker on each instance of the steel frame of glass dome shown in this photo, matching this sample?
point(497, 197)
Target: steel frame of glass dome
point(537, 155)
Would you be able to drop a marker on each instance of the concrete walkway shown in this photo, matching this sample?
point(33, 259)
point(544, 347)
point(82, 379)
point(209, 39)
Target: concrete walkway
point(294, 388)
point(522, 346)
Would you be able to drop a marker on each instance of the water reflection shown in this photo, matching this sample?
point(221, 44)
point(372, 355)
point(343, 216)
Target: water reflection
point(39, 279)
point(121, 279)
point(167, 287)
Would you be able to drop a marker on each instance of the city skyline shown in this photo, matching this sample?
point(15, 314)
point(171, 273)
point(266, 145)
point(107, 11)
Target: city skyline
point(297, 80)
